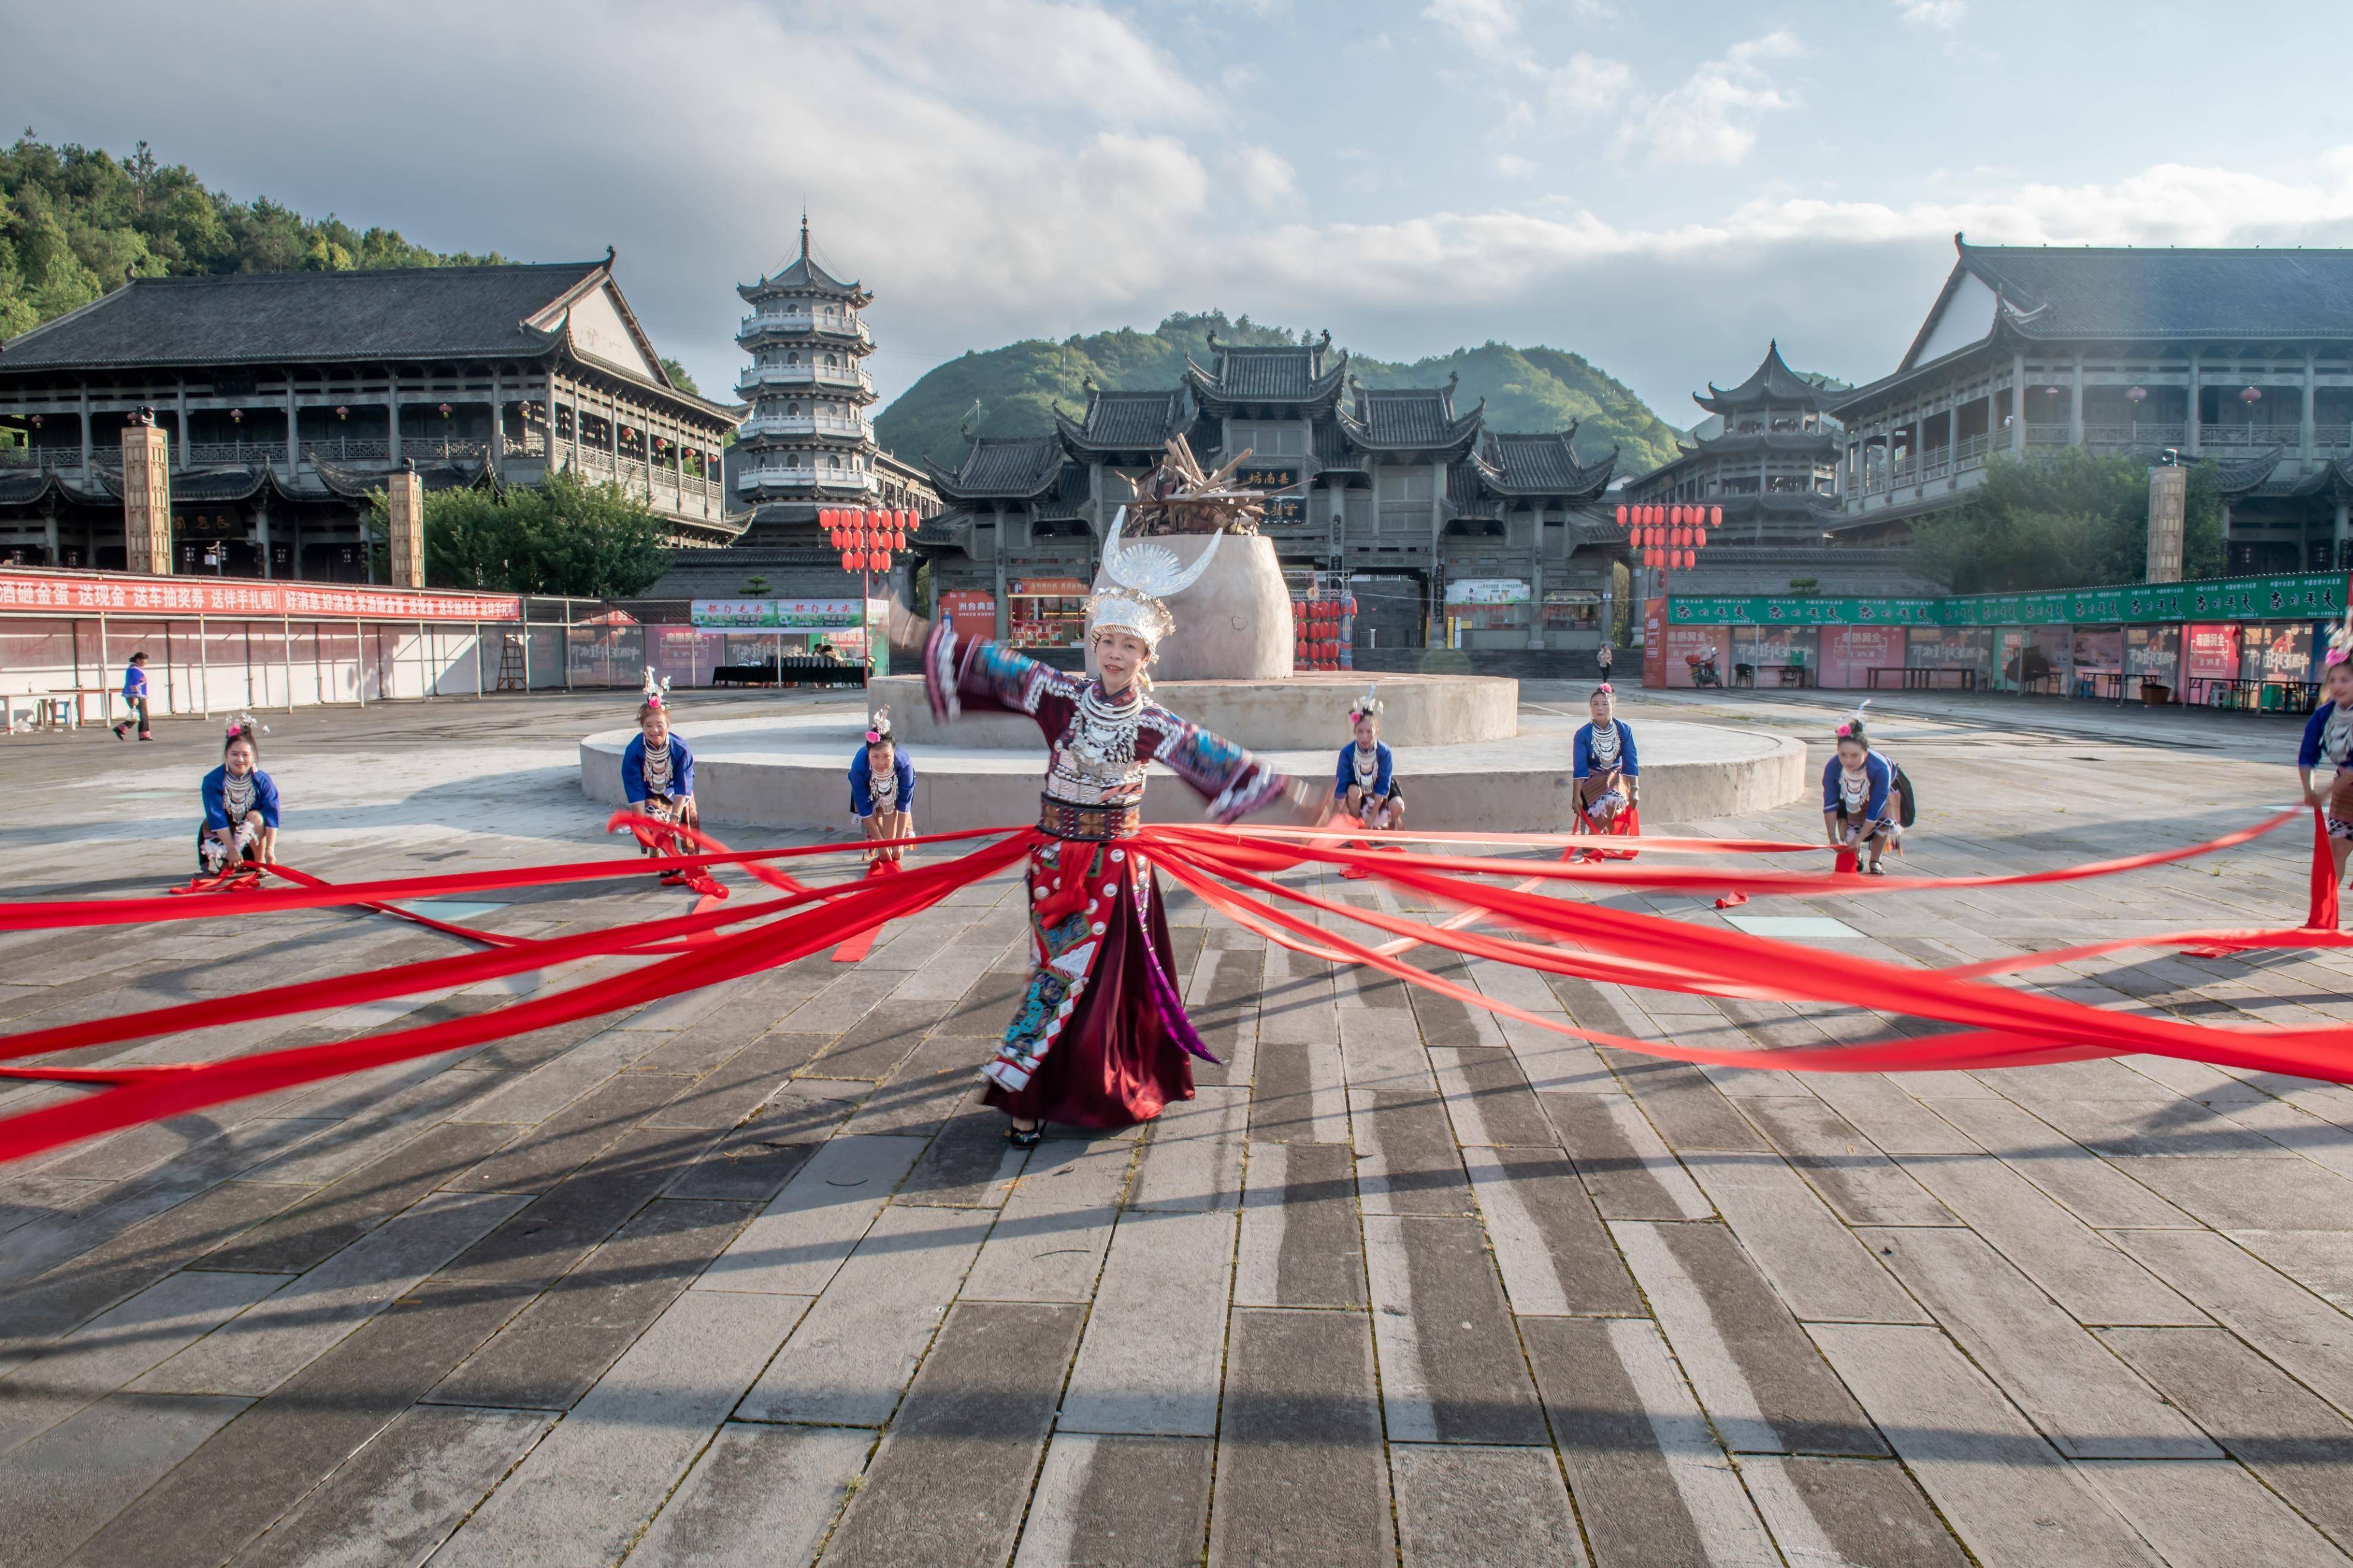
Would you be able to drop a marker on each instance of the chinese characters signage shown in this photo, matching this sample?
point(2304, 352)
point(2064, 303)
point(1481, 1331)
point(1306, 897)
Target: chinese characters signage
point(24, 591)
point(2312, 595)
point(775, 615)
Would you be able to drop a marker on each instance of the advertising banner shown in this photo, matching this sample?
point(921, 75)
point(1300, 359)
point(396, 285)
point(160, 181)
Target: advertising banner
point(1809, 612)
point(1654, 642)
point(2212, 655)
point(1948, 647)
point(775, 615)
point(2275, 652)
point(2306, 596)
point(1487, 591)
point(2098, 650)
point(1683, 642)
point(1851, 653)
point(972, 611)
point(234, 596)
point(2154, 654)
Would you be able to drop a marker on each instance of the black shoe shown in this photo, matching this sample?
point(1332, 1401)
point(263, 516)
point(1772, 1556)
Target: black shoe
point(1025, 1137)
point(119, 732)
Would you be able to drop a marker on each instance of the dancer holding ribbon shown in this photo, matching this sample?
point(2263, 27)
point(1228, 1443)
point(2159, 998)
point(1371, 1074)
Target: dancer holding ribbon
point(657, 771)
point(883, 792)
point(240, 805)
point(1606, 773)
point(1860, 798)
point(1099, 1038)
point(2329, 734)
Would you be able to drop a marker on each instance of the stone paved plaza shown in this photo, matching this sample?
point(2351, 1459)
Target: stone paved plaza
point(746, 1278)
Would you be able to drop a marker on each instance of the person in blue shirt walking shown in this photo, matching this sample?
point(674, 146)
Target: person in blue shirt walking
point(657, 770)
point(1859, 795)
point(883, 792)
point(134, 698)
point(240, 805)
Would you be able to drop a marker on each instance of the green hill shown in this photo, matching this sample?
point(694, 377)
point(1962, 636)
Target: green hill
point(1017, 387)
point(75, 220)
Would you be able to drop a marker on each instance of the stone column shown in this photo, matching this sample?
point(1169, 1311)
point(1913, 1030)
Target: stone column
point(391, 420)
point(2169, 494)
point(2191, 435)
point(88, 451)
point(2075, 407)
point(404, 512)
point(261, 533)
point(2018, 403)
point(1535, 580)
point(293, 433)
point(146, 501)
point(2308, 444)
point(497, 449)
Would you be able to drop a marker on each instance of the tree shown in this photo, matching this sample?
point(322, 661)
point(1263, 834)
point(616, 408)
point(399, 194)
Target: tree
point(589, 542)
point(755, 586)
point(678, 378)
point(74, 221)
point(2062, 519)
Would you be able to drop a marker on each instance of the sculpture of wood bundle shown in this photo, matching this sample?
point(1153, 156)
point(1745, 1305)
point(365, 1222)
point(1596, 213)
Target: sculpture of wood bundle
point(1180, 497)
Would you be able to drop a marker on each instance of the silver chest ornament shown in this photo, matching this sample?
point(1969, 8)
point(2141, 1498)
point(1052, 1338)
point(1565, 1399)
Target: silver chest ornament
point(1098, 751)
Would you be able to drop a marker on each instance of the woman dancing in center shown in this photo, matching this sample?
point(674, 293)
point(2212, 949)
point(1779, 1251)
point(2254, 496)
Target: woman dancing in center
point(1100, 1038)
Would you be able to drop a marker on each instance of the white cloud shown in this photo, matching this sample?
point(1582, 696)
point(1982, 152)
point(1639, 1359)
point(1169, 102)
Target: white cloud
point(1265, 176)
point(1514, 167)
point(1942, 14)
point(1481, 25)
point(1712, 116)
point(1592, 11)
point(1586, 86)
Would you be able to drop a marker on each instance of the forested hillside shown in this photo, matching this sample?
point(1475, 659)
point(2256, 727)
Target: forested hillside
point(1017, 387)
point(74, 221)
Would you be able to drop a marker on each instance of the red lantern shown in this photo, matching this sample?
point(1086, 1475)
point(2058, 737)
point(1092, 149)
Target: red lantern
point(1675, 516)
point(1689, 561)
point(1715, 517)
point(846, 566)
point(1621, 514)
point(1699, 538)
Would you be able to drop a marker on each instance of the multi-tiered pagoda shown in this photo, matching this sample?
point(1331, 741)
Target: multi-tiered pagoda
point(1768, 458)
point(807, 444)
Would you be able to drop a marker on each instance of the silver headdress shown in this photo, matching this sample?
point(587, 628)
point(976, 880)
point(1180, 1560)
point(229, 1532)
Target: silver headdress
point(656, 689)
point(1142, 576)
point(1852, 729)
point(1365, 707)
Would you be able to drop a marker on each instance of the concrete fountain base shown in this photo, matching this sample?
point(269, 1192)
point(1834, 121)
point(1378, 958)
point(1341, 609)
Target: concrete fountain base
point(794, 772)
point(1264, 715)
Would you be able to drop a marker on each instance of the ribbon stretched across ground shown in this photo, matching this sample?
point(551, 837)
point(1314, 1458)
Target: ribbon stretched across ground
point(1234, 871)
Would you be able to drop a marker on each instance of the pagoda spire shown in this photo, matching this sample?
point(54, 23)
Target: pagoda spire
point(804, 233)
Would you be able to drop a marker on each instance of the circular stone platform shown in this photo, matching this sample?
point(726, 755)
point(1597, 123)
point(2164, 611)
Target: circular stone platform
point(1264, 715)
point(794, 772)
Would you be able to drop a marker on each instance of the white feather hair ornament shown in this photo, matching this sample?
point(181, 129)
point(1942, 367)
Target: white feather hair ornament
point(1369, 706)
point(656, 689)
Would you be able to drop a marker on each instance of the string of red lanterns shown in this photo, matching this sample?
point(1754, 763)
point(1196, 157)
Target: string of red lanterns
point(867, 539)
point(1670, 537)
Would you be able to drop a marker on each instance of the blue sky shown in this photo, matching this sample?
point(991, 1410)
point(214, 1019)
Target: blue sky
point(1660, 187)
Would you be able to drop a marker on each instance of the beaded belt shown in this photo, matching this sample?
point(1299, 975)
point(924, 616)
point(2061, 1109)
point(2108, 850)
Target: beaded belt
point(1093, 824)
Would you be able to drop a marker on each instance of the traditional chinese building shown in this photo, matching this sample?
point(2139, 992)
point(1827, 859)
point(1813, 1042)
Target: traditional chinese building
point(287, 397)
point(1436, 524)
point(2241, 357)
point(805, 444)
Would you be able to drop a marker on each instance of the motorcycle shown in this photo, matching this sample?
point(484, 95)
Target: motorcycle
point(1702, 668)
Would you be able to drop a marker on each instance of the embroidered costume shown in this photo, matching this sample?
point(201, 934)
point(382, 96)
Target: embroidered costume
point(1100, 1036)
point(244, 806)
point(1864, 799)
point(1372, 772)
point(2329, 733)
point(1601, 759)
point(665, 777)
point(892, 792)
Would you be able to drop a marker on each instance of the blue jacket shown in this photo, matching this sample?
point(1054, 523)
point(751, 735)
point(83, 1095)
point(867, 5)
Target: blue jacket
point(633, 770)
point(1876, 768)
point(1384, 765)
point(2308, 754)
point(861, 782)
point(265, 799)
point(1581, 752)
point(135, 680)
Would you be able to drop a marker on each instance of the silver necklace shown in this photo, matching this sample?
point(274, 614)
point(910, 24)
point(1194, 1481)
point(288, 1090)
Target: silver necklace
point(2336, 735)
point(658, 769)
point(1605, 751)
point(236, 795)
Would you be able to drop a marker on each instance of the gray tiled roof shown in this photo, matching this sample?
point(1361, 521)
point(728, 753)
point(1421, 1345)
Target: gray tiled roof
point(2141, 292)
point(1009, 468)
point(1279, 373)
point(1125, 421)
point(1542, 464)
point(315, 317)
point(1409, 419)
point(1771, 381)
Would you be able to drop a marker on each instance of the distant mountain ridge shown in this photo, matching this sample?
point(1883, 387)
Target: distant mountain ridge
point(1018, 386)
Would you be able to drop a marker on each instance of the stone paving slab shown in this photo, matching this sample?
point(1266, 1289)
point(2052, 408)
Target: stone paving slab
point(750, 1275)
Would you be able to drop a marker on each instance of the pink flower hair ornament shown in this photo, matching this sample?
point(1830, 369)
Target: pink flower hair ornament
point(878, 729)
point(1852, 729)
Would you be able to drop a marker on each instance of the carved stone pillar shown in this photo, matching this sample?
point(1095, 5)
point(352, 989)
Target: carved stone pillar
point(405, 510)
point(2169, 496)
point(146, 501)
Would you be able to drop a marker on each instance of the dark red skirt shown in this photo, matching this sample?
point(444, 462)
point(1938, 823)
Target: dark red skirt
point(1115, 1062)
